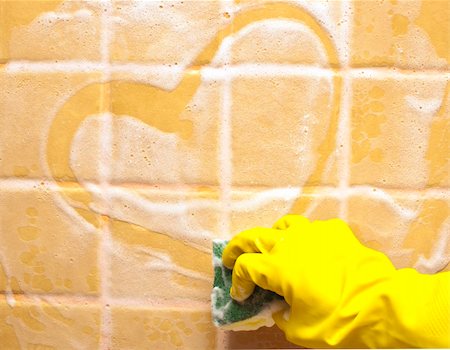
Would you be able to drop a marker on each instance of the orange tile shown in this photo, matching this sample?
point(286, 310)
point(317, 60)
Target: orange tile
point(263, 207)
point(166, 136)
point(47, 245)
point(410, 34)
point(286, 33)
point(162, 328)
point(54, 132)
point(49, 30)
point(410, 229)
point(400, 132)
point(49, 325)
point(161, 243)
point(279, 139)
point(151, 31)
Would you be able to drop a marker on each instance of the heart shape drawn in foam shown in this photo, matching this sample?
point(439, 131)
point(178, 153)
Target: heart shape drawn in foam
point(154, 102)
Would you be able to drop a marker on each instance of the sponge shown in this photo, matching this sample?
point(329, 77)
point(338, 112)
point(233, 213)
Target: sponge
point(251, 314)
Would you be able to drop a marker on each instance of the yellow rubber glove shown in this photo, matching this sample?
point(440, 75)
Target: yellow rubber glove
point(340, 293)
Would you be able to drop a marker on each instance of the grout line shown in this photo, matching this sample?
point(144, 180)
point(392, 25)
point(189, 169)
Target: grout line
point(346, 8)
point(225, 150)
point(225, 160)
point(48, 183)
point(77, 66)
point(74, 299)
point(251, 70)
point(83, 300)
point(343, 136)
point(20, 184)
point(381, 73)
point(74, 66)
point(106, 144)
point(161, 303)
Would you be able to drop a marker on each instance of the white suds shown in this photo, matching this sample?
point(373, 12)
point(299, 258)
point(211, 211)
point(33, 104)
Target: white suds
point(440, 255)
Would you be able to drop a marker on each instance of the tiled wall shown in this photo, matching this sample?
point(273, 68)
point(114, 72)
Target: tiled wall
point(132, 133)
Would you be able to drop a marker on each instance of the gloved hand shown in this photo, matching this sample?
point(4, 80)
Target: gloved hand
point(341, 293)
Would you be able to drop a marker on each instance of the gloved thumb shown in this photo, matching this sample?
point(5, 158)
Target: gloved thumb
point(249, 270)
point(281, 318)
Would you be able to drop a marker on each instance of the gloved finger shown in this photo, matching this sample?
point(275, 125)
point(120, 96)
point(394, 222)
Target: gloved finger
point(250, 270)
point(337, 228)
point(290, 221)
point(255, 240)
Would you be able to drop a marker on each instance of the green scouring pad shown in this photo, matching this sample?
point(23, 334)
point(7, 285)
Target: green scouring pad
point(253, 313)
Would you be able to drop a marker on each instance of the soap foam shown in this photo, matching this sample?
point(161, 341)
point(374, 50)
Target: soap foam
point(142, 211)
point(61, 327)
point(164, 262)
point(440, 255)
point(251, 202)
point(263, 319)
point(381, 195)
point(49, 18)
point(131, 263)
point(50, 29)
point(10, 300)
point(264, 197)
point(289, 28)
point(147, 15)
point(426, 105)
